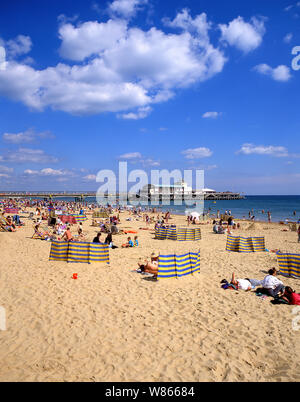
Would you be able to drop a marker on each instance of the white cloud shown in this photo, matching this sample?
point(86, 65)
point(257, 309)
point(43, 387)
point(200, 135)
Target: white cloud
point(127, 68)
point(140, 114)
point(211, 167)
point(48, 172)
point(126, 8)
point(5, 169)
point(90, 177)
point(198, 25)
point(131, 155)
point(138, 158)
point(211, 115)
point(277, 151)
point(280, 73)
point(20, 45)
point(23, 155)
point(25, 137)
point(246, 36)
point(288, 38)
point(197, 153)
point(90, 38)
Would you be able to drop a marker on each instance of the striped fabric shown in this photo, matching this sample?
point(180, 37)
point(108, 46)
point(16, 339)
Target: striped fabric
point(180, 234)
point(79, 218)
point(245, 244)
point(289, 264)
point(59, 251)
point(175, 266)
point(161, 233)
point(188, 234)
point(98, 253)
point(79, 252)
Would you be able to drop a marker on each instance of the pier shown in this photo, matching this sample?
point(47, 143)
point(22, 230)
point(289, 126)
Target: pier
point(212, 196)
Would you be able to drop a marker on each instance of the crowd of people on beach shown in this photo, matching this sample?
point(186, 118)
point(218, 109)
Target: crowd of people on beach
point(270, 285)
point(48, 224)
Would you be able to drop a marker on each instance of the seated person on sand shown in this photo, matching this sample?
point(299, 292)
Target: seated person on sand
point(136, 242)
point(109, 241)
point(221, 230)
point(97, 238)
point(80, 236)
point(39, 233)
point(216, 228)
point(128, 244)
point(291, 296)
point(272, 285)
point(114, 229)
point(10, 222)
point(68, 235)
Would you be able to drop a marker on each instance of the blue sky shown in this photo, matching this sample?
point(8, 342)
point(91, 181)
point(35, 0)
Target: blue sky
point(162, 84)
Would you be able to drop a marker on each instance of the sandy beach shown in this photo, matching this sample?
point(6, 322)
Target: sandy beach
point(113, 324)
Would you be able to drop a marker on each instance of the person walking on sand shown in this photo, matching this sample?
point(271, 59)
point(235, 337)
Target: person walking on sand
point(269, 216)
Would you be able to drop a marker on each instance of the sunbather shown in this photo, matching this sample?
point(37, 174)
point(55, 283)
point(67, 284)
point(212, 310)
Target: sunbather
point(150, 267)
point(291, 296)
point(242, 284)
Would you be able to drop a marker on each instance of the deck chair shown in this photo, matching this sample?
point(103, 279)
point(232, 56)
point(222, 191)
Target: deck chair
point(3, 228)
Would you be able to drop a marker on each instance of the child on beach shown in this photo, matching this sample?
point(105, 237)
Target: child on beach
point(136, 242)
point(128, 244)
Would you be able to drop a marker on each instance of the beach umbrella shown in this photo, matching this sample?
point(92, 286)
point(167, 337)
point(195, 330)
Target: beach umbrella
point(195, 215)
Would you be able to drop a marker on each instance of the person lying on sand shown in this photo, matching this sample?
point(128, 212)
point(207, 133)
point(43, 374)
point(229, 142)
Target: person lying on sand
point(237, 284)
point(242, 284)
point(149, 267)
point(291, 296)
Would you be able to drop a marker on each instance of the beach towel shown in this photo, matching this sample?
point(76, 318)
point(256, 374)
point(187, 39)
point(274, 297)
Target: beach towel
point(79, 252)
point(176, 266)
point(11, 210)
point(245, 244)
point(79, 218)
point(289, 264)
point(68, 219)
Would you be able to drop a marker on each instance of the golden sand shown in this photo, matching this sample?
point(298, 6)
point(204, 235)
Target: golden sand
point(113, 324)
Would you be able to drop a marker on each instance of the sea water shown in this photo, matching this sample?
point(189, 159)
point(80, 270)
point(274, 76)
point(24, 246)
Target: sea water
point(281, 207)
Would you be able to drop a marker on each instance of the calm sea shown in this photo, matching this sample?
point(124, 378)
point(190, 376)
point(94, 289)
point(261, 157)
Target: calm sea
point(281, 207)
